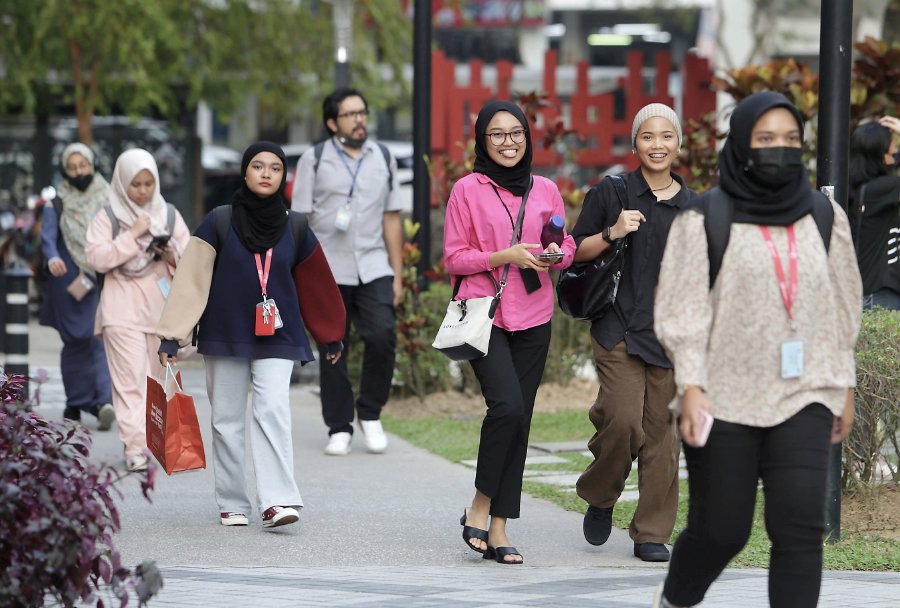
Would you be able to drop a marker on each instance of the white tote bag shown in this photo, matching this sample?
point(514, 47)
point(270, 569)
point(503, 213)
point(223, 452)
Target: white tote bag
point(465, 332)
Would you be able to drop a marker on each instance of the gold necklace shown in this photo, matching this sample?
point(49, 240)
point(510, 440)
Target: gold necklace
point(666, 187)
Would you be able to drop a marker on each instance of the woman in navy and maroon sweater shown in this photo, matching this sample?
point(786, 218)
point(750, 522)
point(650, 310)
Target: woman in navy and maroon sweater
point(221, 285)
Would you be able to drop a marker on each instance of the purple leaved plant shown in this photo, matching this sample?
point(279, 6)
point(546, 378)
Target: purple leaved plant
point(58, 513)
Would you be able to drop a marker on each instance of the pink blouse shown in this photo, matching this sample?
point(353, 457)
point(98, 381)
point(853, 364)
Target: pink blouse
point(132, 302)
point(477, 225)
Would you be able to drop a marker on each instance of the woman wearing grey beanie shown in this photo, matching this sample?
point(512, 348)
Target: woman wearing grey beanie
point(630, 413)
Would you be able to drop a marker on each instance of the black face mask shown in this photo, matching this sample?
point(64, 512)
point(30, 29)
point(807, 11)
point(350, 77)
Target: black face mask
point(896, 164)
point(81, 182)
point(775, 166)
point(351, 142)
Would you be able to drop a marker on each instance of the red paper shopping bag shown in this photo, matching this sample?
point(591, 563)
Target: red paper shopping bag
point(173, 432)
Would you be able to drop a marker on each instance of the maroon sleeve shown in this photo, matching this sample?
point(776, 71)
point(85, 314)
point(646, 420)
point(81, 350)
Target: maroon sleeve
point(320, 299)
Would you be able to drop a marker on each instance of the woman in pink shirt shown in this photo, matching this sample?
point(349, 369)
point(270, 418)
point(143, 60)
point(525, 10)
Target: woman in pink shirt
point(481, 215)
point(138, 270)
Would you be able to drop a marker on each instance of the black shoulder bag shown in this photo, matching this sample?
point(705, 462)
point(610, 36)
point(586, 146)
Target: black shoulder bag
point(587, 290)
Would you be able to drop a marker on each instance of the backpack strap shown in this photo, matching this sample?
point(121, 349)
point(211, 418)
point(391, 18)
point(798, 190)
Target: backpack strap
point(319, 147)
point(717, 221)
point(170, 217)
point(823, 214)
point(221, 222)
point(113, 220)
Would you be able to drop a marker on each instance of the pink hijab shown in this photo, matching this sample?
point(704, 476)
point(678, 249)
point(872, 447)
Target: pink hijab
point(128, 165)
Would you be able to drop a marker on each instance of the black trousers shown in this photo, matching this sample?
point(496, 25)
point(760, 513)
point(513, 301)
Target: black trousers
point(509, 376)
point(370, 307)
point(791, 459)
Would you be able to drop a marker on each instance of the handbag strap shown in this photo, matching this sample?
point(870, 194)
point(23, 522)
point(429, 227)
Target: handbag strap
point(517, 228)
point(860, 206)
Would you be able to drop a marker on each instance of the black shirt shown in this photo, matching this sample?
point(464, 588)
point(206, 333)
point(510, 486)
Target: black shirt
point(877, 235)
point(632, 316)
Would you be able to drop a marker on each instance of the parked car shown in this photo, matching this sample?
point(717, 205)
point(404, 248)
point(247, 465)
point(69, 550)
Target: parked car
point(400, 150)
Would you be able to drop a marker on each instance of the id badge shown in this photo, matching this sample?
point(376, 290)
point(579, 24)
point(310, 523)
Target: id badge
point(164, 286)
point(342, 219)
point(265, 319)
point(791, 359)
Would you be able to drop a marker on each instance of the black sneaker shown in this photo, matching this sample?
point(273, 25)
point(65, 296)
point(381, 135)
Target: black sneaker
point(72, 413)
point(651, 552)
point(597, 524)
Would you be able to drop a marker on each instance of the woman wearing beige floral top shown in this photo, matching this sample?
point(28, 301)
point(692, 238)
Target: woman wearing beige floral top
point(767, 350)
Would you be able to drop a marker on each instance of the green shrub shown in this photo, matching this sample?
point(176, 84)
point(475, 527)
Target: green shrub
point(877, 401)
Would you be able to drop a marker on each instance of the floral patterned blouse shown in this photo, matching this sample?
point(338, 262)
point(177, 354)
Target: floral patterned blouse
point(728, 340)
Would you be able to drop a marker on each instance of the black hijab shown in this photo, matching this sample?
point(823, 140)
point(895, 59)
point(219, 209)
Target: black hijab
point(516, 178)
point(259, 222)
point(756, 202)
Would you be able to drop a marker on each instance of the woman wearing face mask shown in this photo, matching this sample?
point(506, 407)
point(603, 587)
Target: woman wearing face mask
point(768, 351)
point(228, 274)
point(137, 274)
point(875, 210)
point(481, 214)
point(70, 302)
point(630, 413)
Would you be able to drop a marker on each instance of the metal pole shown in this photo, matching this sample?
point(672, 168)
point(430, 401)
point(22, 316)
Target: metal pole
point(832, 162)
point(15, 325)
point(422, 129)
point(342, 21)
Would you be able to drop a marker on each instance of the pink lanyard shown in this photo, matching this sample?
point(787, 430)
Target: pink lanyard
point(787, 295)
point(263, 274)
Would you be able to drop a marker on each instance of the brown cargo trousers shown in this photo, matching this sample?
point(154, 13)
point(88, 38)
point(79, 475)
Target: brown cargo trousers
point(633, 421)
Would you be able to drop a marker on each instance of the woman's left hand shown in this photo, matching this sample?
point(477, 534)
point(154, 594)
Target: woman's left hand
point(843, 424)
point(333, 357)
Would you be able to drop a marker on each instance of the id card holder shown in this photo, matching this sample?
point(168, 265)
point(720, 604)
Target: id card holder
point(265, 319)
point(278, 322)
point(791, 359)
point(164, 286)
point(342, 219)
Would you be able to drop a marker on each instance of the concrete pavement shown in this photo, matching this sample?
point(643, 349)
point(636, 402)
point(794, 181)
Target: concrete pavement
point(382, 530)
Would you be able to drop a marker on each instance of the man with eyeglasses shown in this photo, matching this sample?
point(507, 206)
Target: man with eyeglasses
point(347, 185)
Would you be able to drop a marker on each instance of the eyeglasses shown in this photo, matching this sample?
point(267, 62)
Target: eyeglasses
point(498, 138)
point(354, 114)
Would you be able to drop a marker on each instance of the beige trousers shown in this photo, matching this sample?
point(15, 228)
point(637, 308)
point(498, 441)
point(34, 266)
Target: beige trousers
point(132, 356)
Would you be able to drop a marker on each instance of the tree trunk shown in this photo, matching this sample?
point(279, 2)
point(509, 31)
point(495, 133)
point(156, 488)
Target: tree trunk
point(84, 109)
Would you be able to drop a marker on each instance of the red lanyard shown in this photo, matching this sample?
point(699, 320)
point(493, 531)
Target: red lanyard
point(787, 294)
point(263, 274)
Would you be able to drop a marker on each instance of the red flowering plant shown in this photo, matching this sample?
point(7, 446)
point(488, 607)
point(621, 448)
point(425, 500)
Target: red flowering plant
point(58, 512)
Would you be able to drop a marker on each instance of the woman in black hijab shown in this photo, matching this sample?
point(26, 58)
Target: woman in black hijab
point(763, 358)
point(255, 278)
point(479, 248)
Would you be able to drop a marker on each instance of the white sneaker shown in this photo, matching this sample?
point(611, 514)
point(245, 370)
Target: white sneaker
point(338, 444)
point(106, 415)
point(279, 516)
point(373, 433)
point(229, 518)
point(137, 463)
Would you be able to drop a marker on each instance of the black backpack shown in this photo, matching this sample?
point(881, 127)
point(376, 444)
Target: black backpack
point(222, 222)
point(716, 207)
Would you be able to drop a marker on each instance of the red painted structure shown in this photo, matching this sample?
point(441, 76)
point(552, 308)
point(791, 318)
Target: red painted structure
point(606, 138)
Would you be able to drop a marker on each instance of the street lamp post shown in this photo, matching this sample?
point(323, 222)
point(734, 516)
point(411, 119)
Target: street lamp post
point(832, 170)
point(422, 129)
point(342, 21)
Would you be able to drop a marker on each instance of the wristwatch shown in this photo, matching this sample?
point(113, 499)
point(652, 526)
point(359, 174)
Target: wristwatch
point(607, 235)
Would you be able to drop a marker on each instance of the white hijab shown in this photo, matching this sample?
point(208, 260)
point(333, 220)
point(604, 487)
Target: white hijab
point(128, 165)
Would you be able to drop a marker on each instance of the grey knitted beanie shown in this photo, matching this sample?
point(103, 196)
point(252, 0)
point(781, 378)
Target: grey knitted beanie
point(653, 110)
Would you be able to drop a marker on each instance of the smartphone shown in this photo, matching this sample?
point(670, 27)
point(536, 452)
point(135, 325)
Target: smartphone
point(553, 258)
point(159, 241)
point(706, 422)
